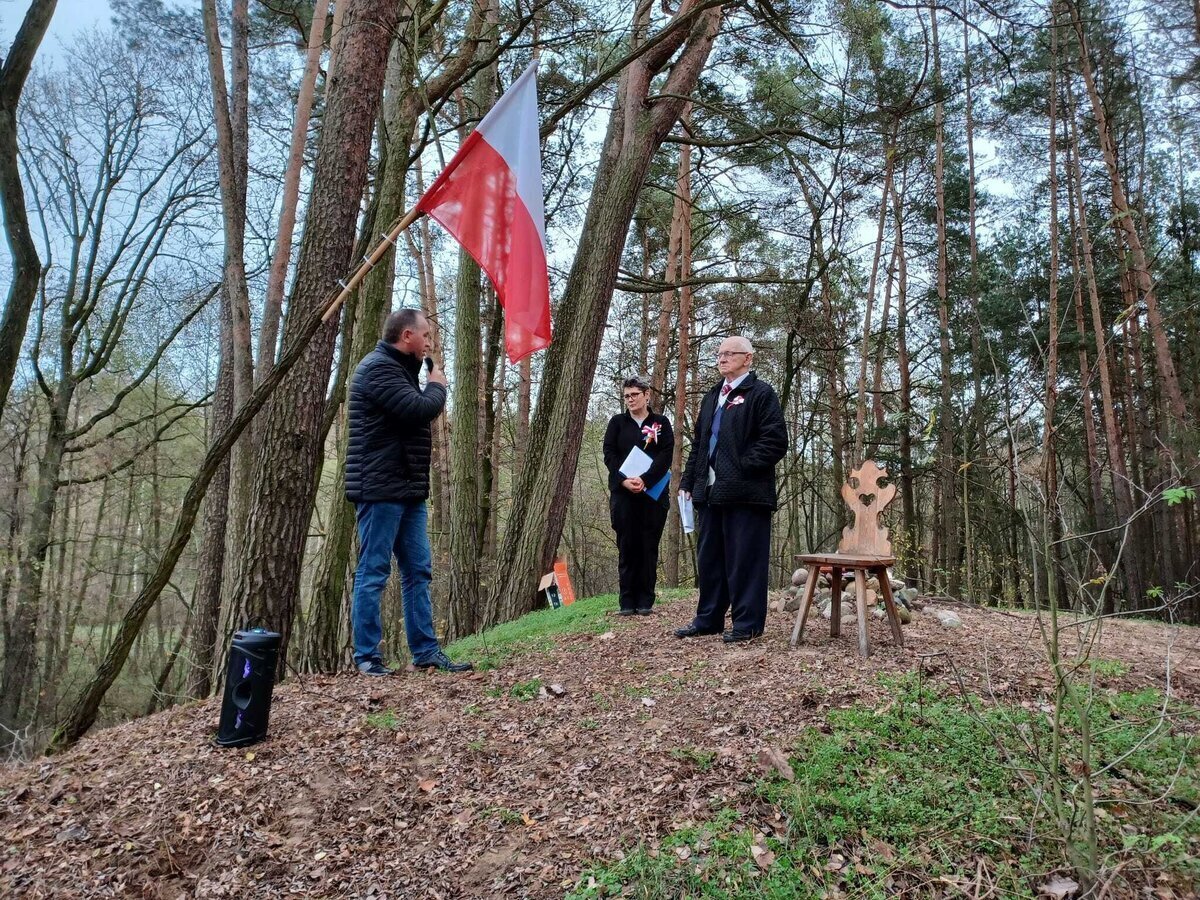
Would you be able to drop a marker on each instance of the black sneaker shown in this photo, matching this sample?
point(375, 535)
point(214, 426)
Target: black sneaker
point(625, 612)
point(443, 663)
point(644, 611)
point(375, 667)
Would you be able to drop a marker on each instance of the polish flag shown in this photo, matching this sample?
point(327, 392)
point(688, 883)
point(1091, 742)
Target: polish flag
point(489, 197)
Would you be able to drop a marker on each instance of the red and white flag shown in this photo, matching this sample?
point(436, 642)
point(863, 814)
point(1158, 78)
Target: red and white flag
point(489, 197)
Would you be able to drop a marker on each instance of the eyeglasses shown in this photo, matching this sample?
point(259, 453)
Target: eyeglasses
point(632, 396)
point(729, 354)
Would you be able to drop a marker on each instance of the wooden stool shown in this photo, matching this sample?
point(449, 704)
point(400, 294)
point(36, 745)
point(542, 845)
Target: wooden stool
point(864, 548)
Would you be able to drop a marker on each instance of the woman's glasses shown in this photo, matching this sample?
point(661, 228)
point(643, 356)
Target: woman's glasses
point(632, 396)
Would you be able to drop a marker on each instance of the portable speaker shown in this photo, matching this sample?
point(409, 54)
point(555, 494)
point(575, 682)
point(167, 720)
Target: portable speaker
point(249, 681)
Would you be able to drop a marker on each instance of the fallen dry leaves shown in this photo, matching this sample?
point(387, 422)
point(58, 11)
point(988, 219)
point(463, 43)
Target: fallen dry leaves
point(477, 793)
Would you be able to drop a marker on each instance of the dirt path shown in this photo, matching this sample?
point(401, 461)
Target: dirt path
point(476, 792)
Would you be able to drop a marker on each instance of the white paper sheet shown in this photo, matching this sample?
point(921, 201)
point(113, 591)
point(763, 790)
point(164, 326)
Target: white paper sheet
point(687, 514)
point(636, 464)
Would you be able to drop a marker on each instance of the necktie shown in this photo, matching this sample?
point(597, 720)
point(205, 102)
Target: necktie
point(716, 427)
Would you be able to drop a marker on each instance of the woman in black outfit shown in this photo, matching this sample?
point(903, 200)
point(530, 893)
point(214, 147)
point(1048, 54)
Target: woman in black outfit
point(637, 518)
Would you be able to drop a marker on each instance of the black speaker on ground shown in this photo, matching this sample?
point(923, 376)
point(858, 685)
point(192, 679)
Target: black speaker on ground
point(249, 681)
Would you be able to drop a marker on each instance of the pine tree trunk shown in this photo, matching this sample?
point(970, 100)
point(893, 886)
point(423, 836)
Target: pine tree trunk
point(947, 531)
point(1052, 519)
point(831, 354)
point(1097, 516)
point(284, 485)
point(273, 304)
point(877, 411)
point(327, 618)
point(466, 449)
point(230, 115)
point(860, 408)
point(683, 200)
point(439, 465)
point(465, 454)
point(637, 127)
point(1116, 455)
point(210, 562)
point(683, 181)
point(979, 433)
point(493, 405)
point(1159, 337)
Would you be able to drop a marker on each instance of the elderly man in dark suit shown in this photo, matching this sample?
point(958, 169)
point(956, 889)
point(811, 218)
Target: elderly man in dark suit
point(730, 477)
point(387, 480)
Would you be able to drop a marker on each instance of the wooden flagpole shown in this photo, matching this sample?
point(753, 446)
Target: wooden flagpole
point(368, 263)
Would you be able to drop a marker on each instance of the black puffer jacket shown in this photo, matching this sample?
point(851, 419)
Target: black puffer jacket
point(390, 439)
point(753, 438)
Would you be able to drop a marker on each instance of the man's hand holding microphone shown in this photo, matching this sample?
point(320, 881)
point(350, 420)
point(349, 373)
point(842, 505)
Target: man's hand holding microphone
point(436, 375)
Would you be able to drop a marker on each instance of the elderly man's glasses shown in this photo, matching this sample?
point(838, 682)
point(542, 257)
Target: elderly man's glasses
point(730, 354)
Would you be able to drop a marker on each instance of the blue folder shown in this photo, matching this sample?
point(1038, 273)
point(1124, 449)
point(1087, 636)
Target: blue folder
point(656, 491)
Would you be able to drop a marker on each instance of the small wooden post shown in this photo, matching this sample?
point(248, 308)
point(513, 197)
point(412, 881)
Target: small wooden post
point(860, 597)
point(885, 590)
point(835, 603)
point(810, 589)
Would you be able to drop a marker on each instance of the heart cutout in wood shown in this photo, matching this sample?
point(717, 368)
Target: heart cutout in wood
point(866, 499)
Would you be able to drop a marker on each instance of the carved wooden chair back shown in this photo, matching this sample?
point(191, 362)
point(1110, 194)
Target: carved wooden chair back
point(867, 500)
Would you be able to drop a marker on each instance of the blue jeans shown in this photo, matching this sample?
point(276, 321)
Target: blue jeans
point(384, 530)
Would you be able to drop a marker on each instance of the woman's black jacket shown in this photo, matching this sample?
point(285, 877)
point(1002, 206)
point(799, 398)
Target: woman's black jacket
point(622, 435)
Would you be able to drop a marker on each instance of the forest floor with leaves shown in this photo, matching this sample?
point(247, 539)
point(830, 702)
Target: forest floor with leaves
point(610, 758)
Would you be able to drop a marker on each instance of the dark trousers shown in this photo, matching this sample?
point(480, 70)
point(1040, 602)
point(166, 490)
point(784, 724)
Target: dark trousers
point(638, 523)
point(733, 556)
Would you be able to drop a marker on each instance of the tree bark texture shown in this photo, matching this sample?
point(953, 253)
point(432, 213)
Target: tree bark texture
point(683, 187)
point(947, 530)
point(1122, 494)
point(637, 127)
point(284, 484)
point(1164, 362)
point(26, 266)
point(210, 563)
point(273, 304)
point(466, 449)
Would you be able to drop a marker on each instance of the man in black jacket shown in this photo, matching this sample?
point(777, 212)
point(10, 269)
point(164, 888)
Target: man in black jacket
point(387, 480)
point(730, 477)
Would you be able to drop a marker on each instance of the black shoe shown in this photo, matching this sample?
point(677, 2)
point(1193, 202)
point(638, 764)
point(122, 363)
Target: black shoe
point(693, 630)
point(625, 612)
point(443, 663)
point(375, 667)
point(644, 611)
point(736, 635)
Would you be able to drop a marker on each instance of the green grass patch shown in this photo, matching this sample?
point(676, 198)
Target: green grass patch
point(702, 759)
point(1108, 668)
point(525, 690)
point(503, 814)
point(534, 632)
point(386, 720)
point(889, 801)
